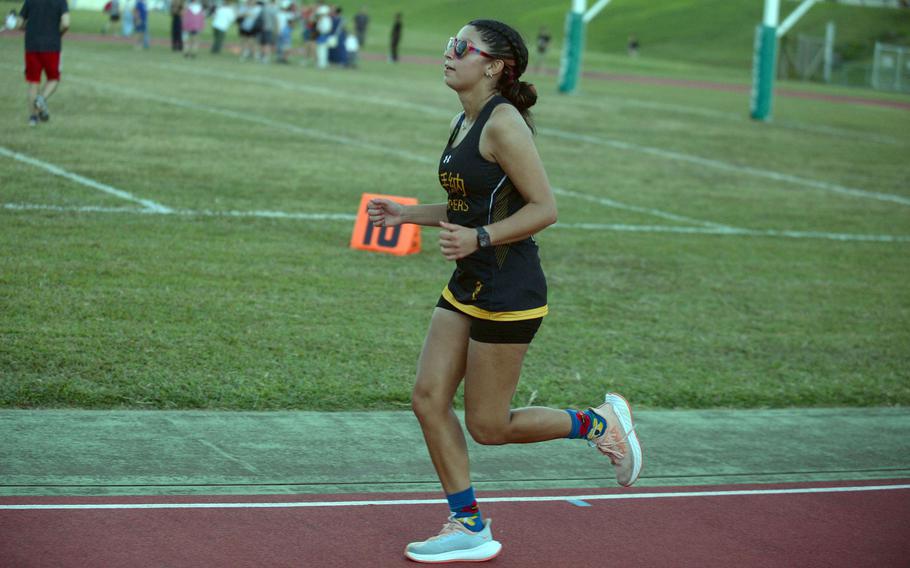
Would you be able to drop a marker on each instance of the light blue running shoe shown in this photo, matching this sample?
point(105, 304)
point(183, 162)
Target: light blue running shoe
point(455, 543)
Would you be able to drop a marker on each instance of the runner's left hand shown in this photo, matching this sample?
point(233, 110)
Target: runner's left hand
point(456, 241)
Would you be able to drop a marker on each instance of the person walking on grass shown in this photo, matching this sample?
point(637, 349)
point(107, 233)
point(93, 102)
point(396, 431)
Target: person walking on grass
point(269, 31)
point(141, 24)
point(193, 22)
point(45, 23)
point(112, 9)
point(323, 33)
point(12, 21)
point(491, 308)
point(224, 18)
point(361, 23)
point(632, 48)
point(351, 46)
point(395, 38)
point(285, 31)
point(308, 26)
point(249, 18)
point(127, 24)
point(177, 7)
point(543, 43)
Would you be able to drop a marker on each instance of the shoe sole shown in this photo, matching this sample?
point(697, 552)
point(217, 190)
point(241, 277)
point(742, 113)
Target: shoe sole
point(623, 411)
point(486, 551)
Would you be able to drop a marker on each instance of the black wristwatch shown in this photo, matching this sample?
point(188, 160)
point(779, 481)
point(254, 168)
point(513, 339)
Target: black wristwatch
point(483, 238)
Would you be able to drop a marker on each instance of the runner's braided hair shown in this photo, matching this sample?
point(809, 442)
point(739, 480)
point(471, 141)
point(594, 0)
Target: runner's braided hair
point(506, 43)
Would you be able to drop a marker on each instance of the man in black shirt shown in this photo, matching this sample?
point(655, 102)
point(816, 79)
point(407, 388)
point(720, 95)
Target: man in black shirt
point(361, 21)
point(543, 42)
point(45, 22)
point(396, 38)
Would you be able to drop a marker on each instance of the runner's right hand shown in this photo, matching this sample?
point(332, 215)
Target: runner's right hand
point(384, 212)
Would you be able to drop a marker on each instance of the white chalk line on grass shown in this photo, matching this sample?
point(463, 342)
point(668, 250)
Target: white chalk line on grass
point(733, 231)
point(617, 227)
point(438, 111)
point(262, 121)
point(347, 141)
point(82, 180)
point(619, 144)
point(606, 201)
point(334, 94)
point(182, 212)
point(408, 155)
point(724, 166)
point(842, 133)
point(402, 502)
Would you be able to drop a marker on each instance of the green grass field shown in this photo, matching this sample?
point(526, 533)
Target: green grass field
point(700, 260)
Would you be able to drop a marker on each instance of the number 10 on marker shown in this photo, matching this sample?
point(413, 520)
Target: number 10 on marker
point(387, 236)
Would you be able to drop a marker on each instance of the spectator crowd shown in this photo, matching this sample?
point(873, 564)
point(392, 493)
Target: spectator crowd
point(266, 29)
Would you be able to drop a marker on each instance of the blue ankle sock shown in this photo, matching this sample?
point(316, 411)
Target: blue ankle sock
point(464, 507)
point(585, 424)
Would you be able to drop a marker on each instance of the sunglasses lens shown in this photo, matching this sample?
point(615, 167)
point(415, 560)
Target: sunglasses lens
point(459, 47)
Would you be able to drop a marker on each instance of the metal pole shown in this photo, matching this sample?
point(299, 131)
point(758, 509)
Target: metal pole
point(763, 62)
point(772, 13)
point(829, 50)
point(876, 65)
point(794, 16)
point(899, 70)
point(572, 48)
point(595, 9)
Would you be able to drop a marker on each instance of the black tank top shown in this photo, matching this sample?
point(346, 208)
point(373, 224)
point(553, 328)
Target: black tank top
point(504, 282)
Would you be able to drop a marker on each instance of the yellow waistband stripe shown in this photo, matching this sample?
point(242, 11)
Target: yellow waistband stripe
point(496, 316)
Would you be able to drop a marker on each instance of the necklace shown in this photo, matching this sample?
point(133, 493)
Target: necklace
point(464, 123)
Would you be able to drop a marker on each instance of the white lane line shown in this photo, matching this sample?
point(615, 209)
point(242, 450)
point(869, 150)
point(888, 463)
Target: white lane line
point(82, 180)
point(348, 217)
point(842, 133)
point(401, 502)
point(256, 119)
point(392, 102)
point(658, 152)
point(724, 166)
point(76, 208)
point(182, 212)
point(346, 141)
point(407, 155)
point(331, 94)
point(606, 201)
point(733, 231)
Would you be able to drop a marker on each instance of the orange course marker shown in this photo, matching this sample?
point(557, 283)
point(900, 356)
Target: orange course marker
point(401, 240)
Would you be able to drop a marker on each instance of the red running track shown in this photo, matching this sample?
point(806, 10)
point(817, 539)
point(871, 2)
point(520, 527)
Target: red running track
point(855, 528)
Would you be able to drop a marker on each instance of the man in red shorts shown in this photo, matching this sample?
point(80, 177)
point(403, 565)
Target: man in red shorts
point(45, 22)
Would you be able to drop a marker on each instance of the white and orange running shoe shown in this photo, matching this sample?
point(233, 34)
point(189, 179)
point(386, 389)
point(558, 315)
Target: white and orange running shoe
point(618, 440)
point(455, 543)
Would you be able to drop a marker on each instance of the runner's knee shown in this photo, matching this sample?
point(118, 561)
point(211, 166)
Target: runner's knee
point(428, 404)
point(487, 432)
